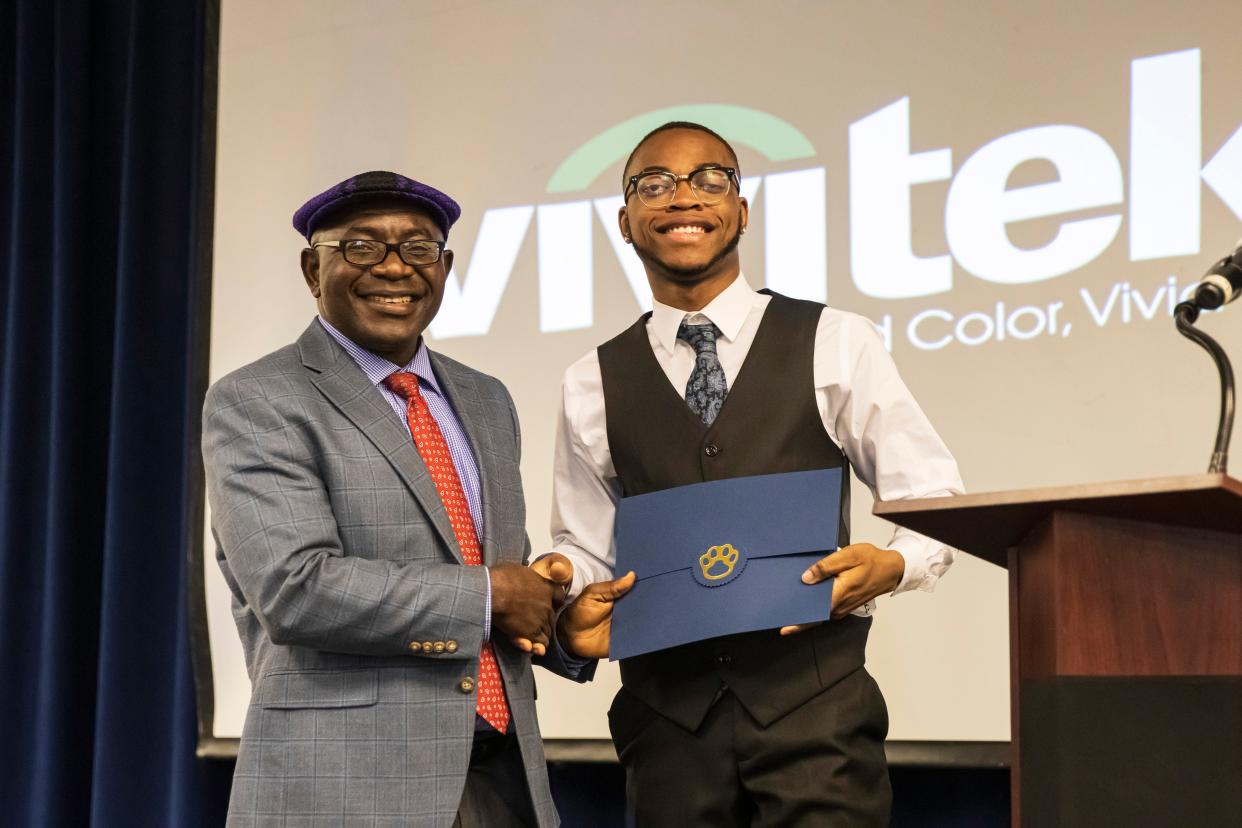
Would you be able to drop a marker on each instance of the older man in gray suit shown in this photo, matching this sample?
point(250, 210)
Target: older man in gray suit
point(368, 513)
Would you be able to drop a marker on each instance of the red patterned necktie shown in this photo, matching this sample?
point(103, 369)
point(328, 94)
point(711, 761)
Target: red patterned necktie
point(429, 440)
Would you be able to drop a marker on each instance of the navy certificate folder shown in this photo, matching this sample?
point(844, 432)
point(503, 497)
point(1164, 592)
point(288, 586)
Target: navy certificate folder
point(723, 557)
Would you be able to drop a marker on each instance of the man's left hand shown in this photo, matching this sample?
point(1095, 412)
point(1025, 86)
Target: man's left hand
point(862, 570)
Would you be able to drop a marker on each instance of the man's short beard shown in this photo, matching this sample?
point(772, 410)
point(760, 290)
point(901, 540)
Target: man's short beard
point(688, 273)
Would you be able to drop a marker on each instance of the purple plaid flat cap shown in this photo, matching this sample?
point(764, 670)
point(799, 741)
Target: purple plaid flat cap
point(370, 185)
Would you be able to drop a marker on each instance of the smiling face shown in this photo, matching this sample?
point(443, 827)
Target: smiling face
point(685, 242)
point(383, 307)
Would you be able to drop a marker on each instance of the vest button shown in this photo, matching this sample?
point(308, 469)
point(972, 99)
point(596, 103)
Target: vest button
point(711, 449)
point(724, 658)
point(466, 685)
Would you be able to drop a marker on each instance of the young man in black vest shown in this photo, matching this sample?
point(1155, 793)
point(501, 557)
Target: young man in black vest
point(772, 727)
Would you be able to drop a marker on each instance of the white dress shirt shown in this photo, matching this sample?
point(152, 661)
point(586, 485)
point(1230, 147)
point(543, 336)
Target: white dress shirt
point(866, 410)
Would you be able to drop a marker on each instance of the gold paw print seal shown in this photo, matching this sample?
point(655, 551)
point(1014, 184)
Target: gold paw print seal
point(719, 565)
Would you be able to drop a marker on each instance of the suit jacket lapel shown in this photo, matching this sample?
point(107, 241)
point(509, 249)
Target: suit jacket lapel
point(341, 380)
point(463, 392)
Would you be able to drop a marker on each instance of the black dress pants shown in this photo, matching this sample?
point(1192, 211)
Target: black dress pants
point(496, 794)
point(820, 765)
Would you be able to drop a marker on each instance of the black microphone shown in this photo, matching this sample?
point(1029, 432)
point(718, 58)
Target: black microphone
point(1222, 283)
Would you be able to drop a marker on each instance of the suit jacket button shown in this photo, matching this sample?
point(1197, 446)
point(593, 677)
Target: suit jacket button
point(428, 647)
point(466, 685)
point(415, 646)
point(711, 449)
point(438, 647)
point(724, 658)
point(450, 646)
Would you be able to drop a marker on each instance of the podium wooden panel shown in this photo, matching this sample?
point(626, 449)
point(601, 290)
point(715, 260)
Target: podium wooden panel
point(1125, 644)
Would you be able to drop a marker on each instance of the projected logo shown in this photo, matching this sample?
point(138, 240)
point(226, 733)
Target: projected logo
point(1166, 178)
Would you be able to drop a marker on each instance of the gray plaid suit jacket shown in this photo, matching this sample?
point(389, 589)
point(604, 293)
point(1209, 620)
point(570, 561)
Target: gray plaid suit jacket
point(342, 563)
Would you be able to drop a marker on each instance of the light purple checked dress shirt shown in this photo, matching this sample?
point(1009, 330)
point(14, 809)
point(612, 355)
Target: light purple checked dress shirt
point(377, 370)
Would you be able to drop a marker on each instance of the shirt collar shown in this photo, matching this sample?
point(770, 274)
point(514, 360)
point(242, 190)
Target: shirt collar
point(377, 368)
point(727, 312)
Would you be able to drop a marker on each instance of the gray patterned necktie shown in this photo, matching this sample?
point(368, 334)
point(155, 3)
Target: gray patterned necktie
point(706, 389)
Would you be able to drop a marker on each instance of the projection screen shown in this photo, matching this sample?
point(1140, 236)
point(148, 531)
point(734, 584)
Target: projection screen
point(1015, 194)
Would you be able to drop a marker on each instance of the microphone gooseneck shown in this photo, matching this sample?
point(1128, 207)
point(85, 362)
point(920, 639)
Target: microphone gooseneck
point(1185, 315)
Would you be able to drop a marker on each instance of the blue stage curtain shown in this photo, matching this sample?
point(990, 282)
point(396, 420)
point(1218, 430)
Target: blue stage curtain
point(106, 130)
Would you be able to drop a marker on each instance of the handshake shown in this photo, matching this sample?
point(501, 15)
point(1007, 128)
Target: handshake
point(528, 607)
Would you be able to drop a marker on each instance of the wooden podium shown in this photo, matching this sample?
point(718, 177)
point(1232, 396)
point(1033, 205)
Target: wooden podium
point(1125, 640)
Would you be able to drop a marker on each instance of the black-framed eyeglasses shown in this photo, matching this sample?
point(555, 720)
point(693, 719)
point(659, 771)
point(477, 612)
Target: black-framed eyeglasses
point(710, 184)
point(368, 252)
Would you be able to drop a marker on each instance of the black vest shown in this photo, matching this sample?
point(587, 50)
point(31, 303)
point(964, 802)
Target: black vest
point(769, 424)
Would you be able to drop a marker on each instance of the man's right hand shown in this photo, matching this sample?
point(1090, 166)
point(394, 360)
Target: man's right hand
point(556, 568)
point(524, 604)
point(585, 626)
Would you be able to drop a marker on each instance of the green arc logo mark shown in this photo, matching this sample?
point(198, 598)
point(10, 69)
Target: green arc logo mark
point(775, 139)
